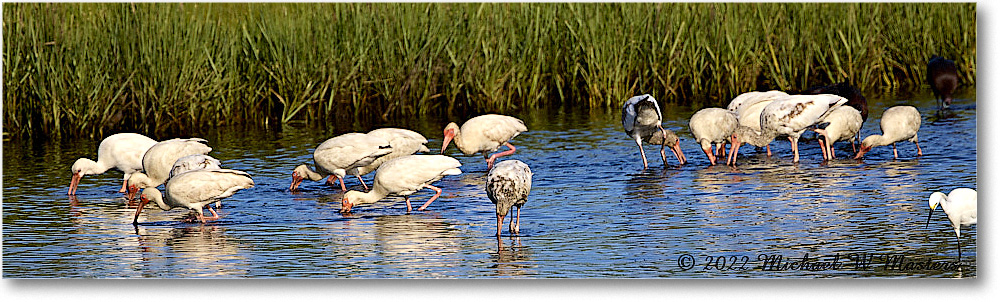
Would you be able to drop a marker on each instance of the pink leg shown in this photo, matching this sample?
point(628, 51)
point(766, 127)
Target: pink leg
point(894, 154)
point(822, 147)
point(330, 180)
point(733, 152)
point(919, 152)
point(708, 152)
point(408, 208)
point(829, 146)
point(768, 150)
point(499, 224)
point(643, 154)
point(795, 149)
point(489, 162)
point(124, 185)
point(663, 155)
point(342, 186)
point(362, 181)
point(215, 215)
point(432, 198)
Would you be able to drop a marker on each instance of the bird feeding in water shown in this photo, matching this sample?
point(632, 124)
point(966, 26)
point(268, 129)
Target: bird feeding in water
point(642, 120)
point(337, 155)
point(507, 186)
point(160, 159)
point(899, 123)
point(195, 190)
point(404, 176)
point(843, 123)
point(960, 206)
point(713, 126)
point(122, 151)
point(403, 142)
point(484, 133)
point(942, 75)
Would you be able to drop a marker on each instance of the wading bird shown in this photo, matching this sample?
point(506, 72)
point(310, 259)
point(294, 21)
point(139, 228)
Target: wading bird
point(335, 156)
point(507, 186)
point(404, 176)
point(942, 75)
point(122, 151)
point(789, 116)
point(713, 126)
point(960, 205)
point(642, 120)
point(195, 190)
point(842, 123)
point(160, 159)
point(899, 123)
point(403, 142)
point(484, 133)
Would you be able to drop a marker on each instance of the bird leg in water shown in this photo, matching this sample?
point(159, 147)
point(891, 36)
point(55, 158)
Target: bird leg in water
point(329, 181)
point(516, 227)
point(124, 185)
point(489, 162)
point(894, 154)
point(643, 153)
point(408, 207)
point(499, 224)
point(663, 155)
point(795, 149)
point(710, 154)
point(432, 198)
point(919, 152)
point(362, 181)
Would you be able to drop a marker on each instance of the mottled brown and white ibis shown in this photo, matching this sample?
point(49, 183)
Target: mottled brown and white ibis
point(160, 159)
point(942, 75)
point(195, 190)
point(790, 116)
point(337, 155)
point(843, 123)
point(642, 120)
point(712, 126)
point(404, 142)
point(960, 205)
point(484, 133)
point(404, 176)
point(122, 151)
point(899, 123)
point(508, 185)
point(672, 141)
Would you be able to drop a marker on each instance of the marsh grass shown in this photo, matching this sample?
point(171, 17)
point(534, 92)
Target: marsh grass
point(89, 69)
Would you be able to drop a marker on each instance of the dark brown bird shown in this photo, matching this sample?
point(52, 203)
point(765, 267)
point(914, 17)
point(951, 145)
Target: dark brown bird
point(942, 75)
point(853, 95)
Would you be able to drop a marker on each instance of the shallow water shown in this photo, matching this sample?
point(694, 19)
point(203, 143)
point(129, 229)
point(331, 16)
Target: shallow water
point(593, 211)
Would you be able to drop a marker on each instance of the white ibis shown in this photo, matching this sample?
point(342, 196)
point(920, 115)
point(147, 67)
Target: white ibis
point(122, 151)
point(843, 123)
point(642, 120)
point(404, 142)
point(960, 205)
point(748, 107)
point(484, 133)
point(335, 156)
point(712, 126)
point(195, 190)
point(788, 116)
point(194, 162)
point(942, 75)
point(404, 176)
point(899, 123)
point(160, 159)
point(507, 186)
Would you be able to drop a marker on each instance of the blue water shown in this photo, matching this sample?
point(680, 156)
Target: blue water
point(593, 211)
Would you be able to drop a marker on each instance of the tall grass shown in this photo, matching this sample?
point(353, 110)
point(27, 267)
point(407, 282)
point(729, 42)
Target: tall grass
point(87, 69)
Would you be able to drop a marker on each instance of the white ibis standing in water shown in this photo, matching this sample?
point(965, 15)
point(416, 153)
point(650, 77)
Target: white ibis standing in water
point(899, 123)
point(404, 142)
point(404, 176)
point(842, 123)
point(160, 159)
point(122, 151)
point(642, 120)
point(335, 156)
point(507, 186)
point(942, 75)
point(195, 190)
point(748, 107)
point(713, 126)
point(788, 116)
point(960, 205)
point(484, 133)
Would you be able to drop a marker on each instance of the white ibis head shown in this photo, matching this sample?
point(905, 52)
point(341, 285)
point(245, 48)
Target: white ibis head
point(449, 133)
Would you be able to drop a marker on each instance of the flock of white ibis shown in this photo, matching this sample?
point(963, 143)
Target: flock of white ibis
point(194, 180)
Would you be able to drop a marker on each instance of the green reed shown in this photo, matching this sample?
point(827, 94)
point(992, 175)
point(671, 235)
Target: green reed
point(88, 69)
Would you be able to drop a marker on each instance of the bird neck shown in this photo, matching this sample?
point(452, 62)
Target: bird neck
point(878, 140)
point(87, 166)
point(376, 194)
point(310, 174)
point(754, 137)
point(153, 194)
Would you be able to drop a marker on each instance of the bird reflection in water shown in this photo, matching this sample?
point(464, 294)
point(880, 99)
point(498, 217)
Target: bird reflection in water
point(512, 260)
point(205, 250)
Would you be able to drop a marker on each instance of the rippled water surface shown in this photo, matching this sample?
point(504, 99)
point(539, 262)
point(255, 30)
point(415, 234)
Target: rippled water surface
point(593, 211)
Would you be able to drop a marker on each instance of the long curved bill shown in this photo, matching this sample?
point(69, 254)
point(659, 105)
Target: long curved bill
point(142, 203)
point(73, 183)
